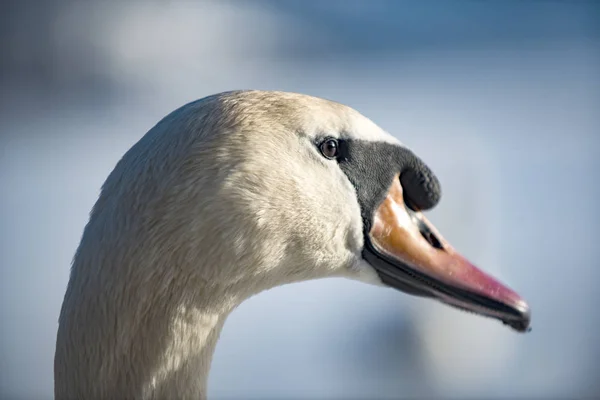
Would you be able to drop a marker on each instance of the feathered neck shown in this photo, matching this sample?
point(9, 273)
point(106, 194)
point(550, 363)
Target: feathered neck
point(150, 343)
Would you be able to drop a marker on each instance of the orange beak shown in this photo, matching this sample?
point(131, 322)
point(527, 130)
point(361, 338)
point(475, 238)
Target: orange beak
point(410, 255)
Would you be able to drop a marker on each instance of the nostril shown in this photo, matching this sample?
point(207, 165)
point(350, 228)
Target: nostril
point(424, 230)
point(431, 238)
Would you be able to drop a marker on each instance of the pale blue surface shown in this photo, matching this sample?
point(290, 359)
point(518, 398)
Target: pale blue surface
point(505, 112)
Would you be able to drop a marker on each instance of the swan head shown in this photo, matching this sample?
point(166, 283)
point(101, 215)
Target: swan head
point(244, 191)
point(232, 195)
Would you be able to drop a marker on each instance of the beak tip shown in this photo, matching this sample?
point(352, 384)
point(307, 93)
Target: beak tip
point(522, 324)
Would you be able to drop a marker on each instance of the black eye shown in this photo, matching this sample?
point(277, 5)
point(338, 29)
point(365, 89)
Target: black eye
point(329, 148)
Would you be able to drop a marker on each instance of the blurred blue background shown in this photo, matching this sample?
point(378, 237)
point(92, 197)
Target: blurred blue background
point(501, 98)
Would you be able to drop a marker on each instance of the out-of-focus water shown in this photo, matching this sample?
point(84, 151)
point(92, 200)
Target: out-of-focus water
point(509, 122)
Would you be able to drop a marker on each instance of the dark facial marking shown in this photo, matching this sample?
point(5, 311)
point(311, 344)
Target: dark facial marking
point(371, 166)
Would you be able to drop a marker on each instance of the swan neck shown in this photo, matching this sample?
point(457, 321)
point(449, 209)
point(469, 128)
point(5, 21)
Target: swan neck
point(187, 355)
point(132, 349)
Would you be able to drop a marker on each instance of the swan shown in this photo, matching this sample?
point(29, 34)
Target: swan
point(232, 195)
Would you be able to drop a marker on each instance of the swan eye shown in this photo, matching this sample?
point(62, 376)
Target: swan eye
point(329, 148)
